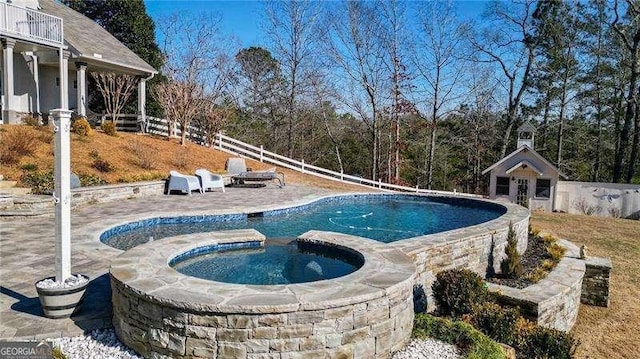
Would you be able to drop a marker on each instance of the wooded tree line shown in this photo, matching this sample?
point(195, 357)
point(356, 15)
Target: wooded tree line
point(412, 93)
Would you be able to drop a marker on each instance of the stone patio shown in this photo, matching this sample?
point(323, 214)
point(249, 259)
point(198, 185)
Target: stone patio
point(27, 252)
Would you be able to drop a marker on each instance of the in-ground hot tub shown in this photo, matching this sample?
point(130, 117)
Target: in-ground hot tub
point(278, 261)
point(159, 311)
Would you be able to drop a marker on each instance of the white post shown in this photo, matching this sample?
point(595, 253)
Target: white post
point(380, 183)
point(302, 165)
point(219, 140)
point(62, 192)
point(261, 153)
point(8, 110)
point(142, 99)
point(63, 61)
point(342, 175)
point(81, 90)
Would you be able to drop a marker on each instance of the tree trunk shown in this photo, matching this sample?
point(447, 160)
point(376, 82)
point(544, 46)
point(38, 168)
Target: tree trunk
point(633, 158)
point(629, 115)
point(563, 105)
point(183, 135)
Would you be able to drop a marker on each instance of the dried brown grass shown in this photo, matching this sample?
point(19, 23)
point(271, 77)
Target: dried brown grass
point(605, 332)
point(139, 158)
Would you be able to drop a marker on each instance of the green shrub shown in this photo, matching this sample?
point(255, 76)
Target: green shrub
point(495, 321)
point(534, 341)
point(29, 167)
point(457, 291)
point(511, 266)
point(41, 182)
point(474, 344)
point(91, 180)
point(81, 127)
point(109, 128)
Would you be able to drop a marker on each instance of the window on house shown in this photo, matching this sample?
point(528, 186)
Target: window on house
point(543, 188)
point(502, 186)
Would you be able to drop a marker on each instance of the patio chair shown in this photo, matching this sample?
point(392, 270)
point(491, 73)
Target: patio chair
point(237, 168)
point(183, 183)
point(209, 180)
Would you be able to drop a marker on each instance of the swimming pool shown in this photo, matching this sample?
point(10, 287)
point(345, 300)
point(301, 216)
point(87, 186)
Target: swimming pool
point(381, 217)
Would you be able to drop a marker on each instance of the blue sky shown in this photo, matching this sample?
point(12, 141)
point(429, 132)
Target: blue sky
point(242, 18)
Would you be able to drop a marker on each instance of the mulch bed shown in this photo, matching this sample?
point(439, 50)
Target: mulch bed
point(531, 259)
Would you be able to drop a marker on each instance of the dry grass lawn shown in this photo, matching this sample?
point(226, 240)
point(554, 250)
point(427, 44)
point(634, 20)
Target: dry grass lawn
point(612, 332)
point(134, 157)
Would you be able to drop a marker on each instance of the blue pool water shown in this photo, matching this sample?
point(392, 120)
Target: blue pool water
point(278, 262)
point(383, 218)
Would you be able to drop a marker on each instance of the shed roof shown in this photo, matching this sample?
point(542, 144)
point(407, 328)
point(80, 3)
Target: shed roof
point(90, 42)
point(530, 150)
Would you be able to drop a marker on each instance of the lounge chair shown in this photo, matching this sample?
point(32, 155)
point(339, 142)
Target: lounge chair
point(237, 168)
point(209, 180)
point(183, 183)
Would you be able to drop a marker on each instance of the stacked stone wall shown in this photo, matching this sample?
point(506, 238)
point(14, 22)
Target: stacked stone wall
point(372, 329)
point(595, 285)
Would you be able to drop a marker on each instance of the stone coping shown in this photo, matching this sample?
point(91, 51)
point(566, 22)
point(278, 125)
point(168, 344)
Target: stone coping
point(116, 186)
point(145, 271)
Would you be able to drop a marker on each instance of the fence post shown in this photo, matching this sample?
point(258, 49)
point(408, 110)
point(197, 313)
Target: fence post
point(341, 175)
point(380, 183)
point(261, 153)
point(302, 165)
point(219, 135)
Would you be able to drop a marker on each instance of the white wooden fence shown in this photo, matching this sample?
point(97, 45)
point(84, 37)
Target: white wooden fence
point(159, 126)
point(227, 144)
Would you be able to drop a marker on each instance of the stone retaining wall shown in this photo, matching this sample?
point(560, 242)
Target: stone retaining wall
point(476, 248)
point(117, 192)
point(161, 313)
point(554, 301)
point(595, 285)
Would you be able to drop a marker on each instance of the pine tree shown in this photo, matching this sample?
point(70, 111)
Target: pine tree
point(511, 266)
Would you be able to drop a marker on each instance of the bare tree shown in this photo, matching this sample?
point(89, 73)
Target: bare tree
point(436, 59)
point(116, 90)
point(508, 41)
point(181, 102)
point(291, 27)
point(198, 66)
point(353, 45)
point(211, 120)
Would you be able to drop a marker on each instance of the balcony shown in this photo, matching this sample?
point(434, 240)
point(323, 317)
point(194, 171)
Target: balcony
point(30, 25)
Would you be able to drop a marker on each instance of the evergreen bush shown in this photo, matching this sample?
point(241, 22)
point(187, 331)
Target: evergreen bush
point(81, 127)
point(457, 291)
point(109, 128)
point(511, 266)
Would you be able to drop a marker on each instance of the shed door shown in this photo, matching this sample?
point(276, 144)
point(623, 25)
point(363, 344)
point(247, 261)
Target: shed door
point(522, 194)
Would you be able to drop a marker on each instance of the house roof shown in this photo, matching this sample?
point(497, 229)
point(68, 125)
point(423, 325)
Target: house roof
point(530, 150)
point(89, 42)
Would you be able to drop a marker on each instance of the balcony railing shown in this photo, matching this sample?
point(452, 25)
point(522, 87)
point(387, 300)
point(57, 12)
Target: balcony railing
point(31, 25)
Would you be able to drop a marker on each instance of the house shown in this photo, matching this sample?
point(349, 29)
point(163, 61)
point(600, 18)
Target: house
point(47, 51)
point(524, 176)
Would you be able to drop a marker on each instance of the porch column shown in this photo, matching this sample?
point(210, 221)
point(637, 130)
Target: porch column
point(8, 109)
point(63, 59)
point(81, 76)
point(142, 100)
point(36, 79)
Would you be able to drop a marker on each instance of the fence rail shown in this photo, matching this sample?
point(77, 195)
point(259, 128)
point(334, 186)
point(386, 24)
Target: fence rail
point(32, 25)
point(236, 147)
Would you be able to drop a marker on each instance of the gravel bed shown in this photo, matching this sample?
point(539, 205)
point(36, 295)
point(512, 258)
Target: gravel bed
point(99, 344)
point(73, 281)
point(103, 344)
point(428, 349)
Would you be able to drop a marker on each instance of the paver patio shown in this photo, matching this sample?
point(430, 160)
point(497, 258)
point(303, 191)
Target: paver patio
point(27, 252)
